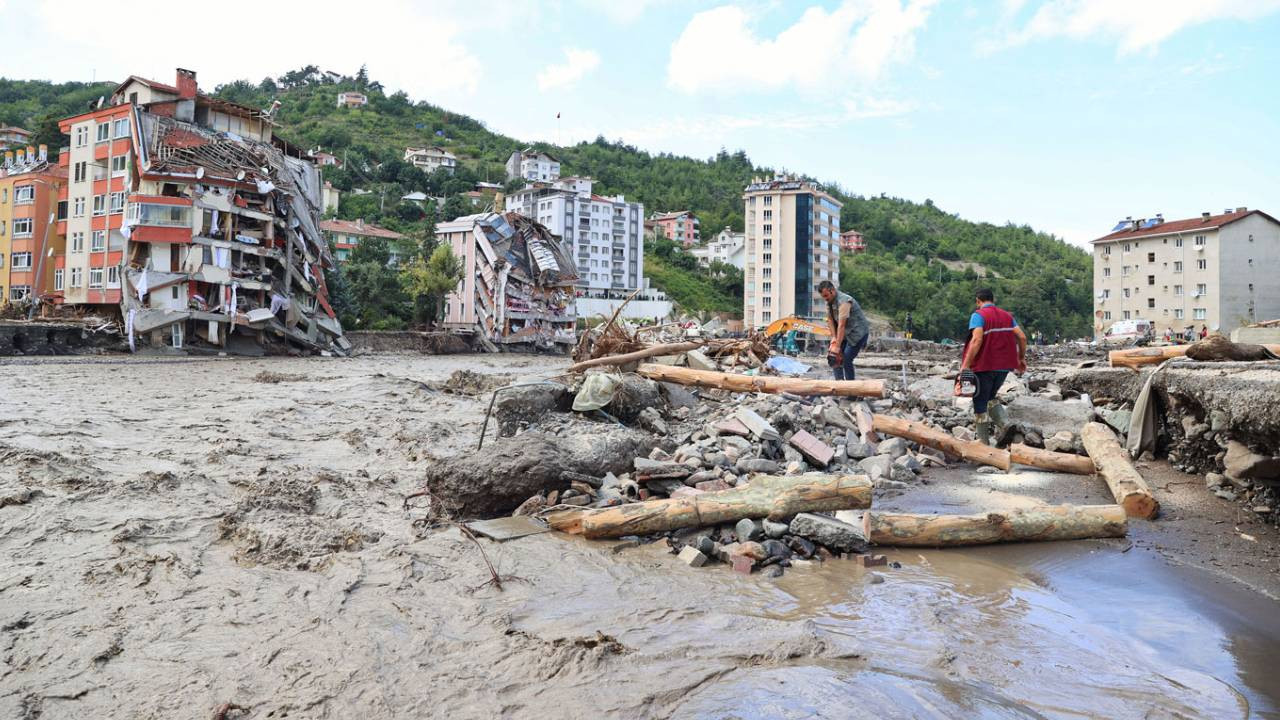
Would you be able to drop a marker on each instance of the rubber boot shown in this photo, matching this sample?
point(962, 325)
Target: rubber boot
point(998, 414)
point(982, 428)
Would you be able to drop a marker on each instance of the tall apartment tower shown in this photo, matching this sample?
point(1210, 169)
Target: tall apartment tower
point(793, 243)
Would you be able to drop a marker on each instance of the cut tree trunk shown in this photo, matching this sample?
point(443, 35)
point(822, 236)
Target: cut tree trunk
point(1062, 522)
point(1113, 463)
point(765, 496)
point(970, 450)
point(652, 351)
point(1049, 460)
point(1134, 358)
point(761, 383)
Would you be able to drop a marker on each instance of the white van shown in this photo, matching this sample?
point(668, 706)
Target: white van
point(1129, 329)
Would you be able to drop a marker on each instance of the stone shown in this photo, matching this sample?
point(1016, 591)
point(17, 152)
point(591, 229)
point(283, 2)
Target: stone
point(1197, 430)
point(647, 469)
point(743, 564)
point(707, 546)
point(868, 561)
point(1244, 464)
point(876, 466)
point(859, 451)
point(1034, 439)
point(686, 491)
point(712, 486)
point(834, 416)
point(964, 432)
point(829, 532)
point(663, 487)
point(776, 549)
point(1213, 480)
point(988, 470)
point(701, 476)
point(1063, 441)
point(758, 426)
point(1225, 495)
point(795, 468)
point(775, 571)
point(802, 547)
point(875, 578)
point(899, 473)
point(699, 361)
point(716, 459)
point(1055, 396)
point(748, 529)
point(692, 557)
point(774, 529)
point(757, 465)
point(659, 455)
point(740, 444)
point(1218, 421)
point(694, 463)
point(677, 396)
point(1117, 419)
point(894, 447)
point(909, 462)
point(751, 549)
point(650, 419)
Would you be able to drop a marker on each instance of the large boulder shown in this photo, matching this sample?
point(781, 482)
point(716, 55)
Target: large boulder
point(1244, 464)
point(1044, 417)
point(530, 403)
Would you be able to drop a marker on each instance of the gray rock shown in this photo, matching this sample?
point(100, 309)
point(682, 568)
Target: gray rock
point(909, 462)
point(988, 470)
point(874, 578)
point(737, 442)
point(707, 546)
point(748, 529)
point(859, 451)
point(790, 454)
point(692, 556)
point(883, 484)
point(964, 432)
point(1225, 495)
point(1063, 441)
point(901, 474)
point(716, 459)
point(774, 529)
point(876, 466)
point(1219, 420)
point(836, 417)
point(757, 465)
point(1213, 480)
point(1117, 419)
point(894, 447)
point(1244, 464)
point(1034, 439)
point(776, 548)
point(650, 419)
point(1197, 430)
point(829, 532)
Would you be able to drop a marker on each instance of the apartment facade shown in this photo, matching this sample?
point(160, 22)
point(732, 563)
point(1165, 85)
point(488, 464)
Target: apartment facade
point(852, 242)
point(29, 191)
point(606, 234)
point(681, 226)
point(430, 159)
point(533, 166)
point(345, 235)
point(726, 247)
point(1213, 270)
point(352, 99)
point(14, 137)
point(793, 243)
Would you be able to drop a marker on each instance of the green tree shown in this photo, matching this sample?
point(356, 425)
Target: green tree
point(429, 281)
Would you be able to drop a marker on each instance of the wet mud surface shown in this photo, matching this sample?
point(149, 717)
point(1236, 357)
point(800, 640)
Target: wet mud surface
point(175, 536)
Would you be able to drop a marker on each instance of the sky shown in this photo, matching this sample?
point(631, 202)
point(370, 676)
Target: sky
point(1065, 115)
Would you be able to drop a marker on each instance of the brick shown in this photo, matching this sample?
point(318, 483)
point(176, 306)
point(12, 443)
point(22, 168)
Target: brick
point(743, 564)
point(869, 561)
point(692, 556)
point(732, 426)
point(813, 449)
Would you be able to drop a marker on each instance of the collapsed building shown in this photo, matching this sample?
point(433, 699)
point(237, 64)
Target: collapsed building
point(517, 289)
point(219, 245)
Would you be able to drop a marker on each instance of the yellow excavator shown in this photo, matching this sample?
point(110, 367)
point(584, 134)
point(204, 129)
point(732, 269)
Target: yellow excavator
point(793, 325)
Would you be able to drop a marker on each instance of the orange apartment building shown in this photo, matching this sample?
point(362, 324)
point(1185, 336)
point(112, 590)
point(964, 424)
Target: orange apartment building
point(29, 190)
point(680, 226)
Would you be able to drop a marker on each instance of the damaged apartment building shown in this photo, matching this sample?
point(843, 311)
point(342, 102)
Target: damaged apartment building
point(517, 288)
point(204, 224)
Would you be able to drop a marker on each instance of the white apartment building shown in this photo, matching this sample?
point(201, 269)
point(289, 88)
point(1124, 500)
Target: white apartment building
point(606, 234)
point(792, 244)
point(1213, 270)
point(726, 247)
point(533, 166)
point(431, 158)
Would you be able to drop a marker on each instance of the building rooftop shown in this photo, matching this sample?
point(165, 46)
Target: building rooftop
point(1156, 227)
point(671, 215)
point(359, 227)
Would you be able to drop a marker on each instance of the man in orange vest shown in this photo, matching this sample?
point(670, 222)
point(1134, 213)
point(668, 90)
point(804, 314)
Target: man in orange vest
point(996, 347)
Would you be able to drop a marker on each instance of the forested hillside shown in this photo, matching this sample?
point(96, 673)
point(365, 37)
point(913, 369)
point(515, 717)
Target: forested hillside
point(1043, 280)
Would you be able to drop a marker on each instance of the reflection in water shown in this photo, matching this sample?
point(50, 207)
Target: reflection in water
point(1062, 630)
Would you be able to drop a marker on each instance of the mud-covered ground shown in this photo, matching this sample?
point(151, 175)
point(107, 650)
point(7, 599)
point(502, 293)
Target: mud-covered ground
point(183, 538)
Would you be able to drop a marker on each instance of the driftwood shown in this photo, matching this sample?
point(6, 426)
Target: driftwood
point(765, 496)
point(759, 383)
point(971, 450)
point(1113, 463)
point(1209, 349)
point(1049, 460)
point(1063, 522)
point(651, 351)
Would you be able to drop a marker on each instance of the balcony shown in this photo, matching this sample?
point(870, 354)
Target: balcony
point(159, 219)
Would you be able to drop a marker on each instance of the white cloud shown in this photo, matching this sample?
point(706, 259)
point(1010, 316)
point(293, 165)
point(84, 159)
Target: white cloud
point(1137, 24)
point(862, 108)
point(577, 63)
point(621, 11)
point(720, 51)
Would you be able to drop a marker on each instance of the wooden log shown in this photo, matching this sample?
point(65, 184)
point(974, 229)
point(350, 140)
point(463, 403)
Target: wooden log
point(1062, 462)
point(762, 383)
point(651, 351)
point(1134, 358)
point(765, 496)
point(970, 450)
point(1060, 522)
point(1113, 463)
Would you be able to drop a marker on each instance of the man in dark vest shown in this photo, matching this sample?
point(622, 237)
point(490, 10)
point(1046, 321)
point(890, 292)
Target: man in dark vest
point(996, 347)
point(849, 328)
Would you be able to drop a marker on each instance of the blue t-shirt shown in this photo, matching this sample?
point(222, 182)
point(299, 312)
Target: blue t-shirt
point(975, 321)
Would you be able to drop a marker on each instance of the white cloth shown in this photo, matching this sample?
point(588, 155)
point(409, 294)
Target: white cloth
point(213, 223)
point(142, 285)
point(222, 257)
point(278, 302)
point(128, 329)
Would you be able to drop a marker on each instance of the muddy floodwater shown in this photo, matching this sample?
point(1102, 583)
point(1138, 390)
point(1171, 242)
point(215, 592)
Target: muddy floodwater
point(180, 538)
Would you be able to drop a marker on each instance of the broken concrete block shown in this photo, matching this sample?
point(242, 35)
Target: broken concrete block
point(758, 426)
point(837, 417)
point(868, 561)
point(732, 426)
point(650, 419)
point(692, 557)
point(894, 447)
point(1063, 441)
point(647, 469)
point(813, 449)
point(757, 465)
point(699, 361)
point(964, 432)
point(876, 466)
point(829, 532)
point(1244, 464)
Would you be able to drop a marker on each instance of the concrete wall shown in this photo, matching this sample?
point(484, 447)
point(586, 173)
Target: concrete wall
point(593, 307)
point(1249, 291)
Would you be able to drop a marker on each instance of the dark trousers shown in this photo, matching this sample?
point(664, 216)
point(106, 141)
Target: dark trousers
point(844, 371)
point(989, 382)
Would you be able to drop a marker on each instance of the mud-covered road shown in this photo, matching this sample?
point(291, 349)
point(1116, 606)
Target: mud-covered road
point(183, 537)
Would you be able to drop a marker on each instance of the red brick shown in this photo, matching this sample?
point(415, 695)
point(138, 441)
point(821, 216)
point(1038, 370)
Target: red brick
point(743, 564)
point(813, 449)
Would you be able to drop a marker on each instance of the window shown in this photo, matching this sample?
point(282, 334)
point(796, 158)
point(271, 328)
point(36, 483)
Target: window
point(1126, 292)
point(1199, 313)
point(1202, 289)
point(104, 131)
point(1126, 247)
point(1177, 313)
point(78, 208)
point(766, 273)
point(1177, 242)
point(766, 316)
point(1200, 240)
point(1177, 266)
point(1202, 264)
point(766, 244)
point(118, 165)
point(99, 205)
point(117, 203)
point(99, 242)
point(768, 230)
point(1106, 294)
point(1106, 249)
point(767, 287)
point(82, 136)
point(22, 227)
point(62, 209)
point(122, 128)
point(766, 301)
point(21, 261)
point(1151, 302)
point(57, 280)
point(24, 194)
point(1124, 270)
point(77, 277)
point(1106, 272)
point(77, 242)
point(19, 292)
point(95, 278)
point(768, 214)
point(80, 171)
point(1151, 279)
point(768, 201)
point(768, 257)
point(1177, 290)
point(1126, 314)
point(1151, 257)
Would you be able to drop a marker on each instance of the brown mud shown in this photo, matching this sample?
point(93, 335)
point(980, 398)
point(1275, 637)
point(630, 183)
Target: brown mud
point(178, 535)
